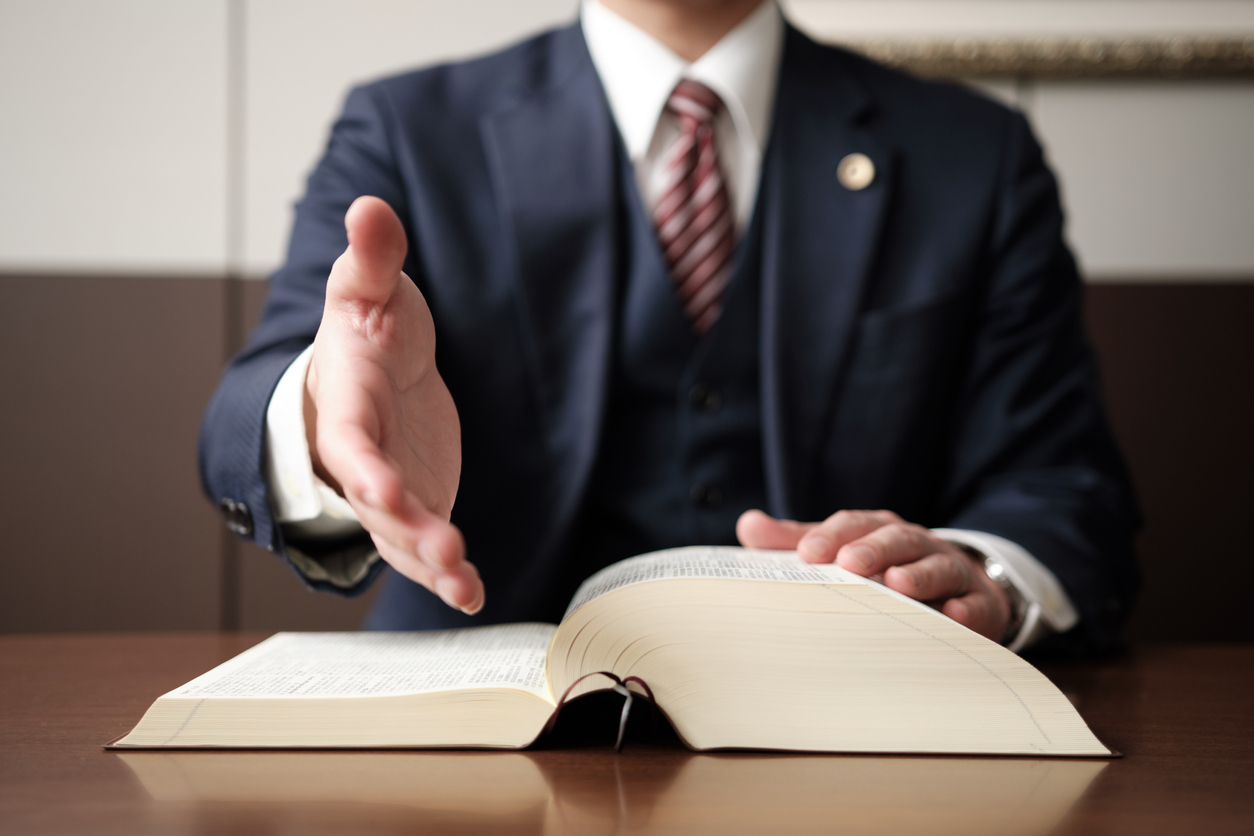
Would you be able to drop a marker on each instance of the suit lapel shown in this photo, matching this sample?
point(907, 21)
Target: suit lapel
point(819, 245)
point(557, 193)
point(551, 153)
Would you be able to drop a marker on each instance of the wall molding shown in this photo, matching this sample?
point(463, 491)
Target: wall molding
point(1178, 280)
point(1176, 57)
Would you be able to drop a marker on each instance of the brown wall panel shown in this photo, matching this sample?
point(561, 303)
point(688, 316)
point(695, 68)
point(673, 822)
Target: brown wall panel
point(1178, 371)
point(102, 525)
point(102, 382)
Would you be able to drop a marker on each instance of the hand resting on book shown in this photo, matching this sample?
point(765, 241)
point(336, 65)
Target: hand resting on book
point(911, 560)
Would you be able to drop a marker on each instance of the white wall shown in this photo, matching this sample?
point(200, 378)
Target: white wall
point(116, 117)
point(112, 139)
point(303, 55)
point(1158, 177)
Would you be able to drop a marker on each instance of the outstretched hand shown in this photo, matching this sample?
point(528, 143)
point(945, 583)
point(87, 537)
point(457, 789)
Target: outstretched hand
point(909, 558)
point(381, 425)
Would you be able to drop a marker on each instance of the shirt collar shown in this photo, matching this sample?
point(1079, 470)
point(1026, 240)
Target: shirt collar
point(639, 73)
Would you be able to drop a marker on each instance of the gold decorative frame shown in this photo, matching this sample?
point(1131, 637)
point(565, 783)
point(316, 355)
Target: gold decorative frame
point(1067, 58)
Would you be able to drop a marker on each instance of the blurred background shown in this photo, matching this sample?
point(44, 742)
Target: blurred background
point(150, 153)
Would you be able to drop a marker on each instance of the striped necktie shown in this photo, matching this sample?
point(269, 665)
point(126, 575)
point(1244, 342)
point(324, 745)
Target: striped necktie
point(694, 216)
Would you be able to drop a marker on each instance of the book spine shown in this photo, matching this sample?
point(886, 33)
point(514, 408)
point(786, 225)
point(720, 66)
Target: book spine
point(620, 687)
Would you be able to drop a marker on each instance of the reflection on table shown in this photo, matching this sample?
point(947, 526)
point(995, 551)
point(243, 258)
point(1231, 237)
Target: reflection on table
point(554, 793)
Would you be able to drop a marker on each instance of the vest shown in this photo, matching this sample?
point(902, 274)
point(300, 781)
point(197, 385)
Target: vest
point(680, 454)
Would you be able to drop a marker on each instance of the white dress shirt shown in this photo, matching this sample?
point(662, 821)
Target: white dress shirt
point(638, 74)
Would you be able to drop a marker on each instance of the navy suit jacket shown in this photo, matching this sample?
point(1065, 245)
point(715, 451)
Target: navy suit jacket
point(921, 340)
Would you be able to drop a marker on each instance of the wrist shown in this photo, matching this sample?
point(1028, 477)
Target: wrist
point(1016, 604)
point(309, 410)
point(996, 572)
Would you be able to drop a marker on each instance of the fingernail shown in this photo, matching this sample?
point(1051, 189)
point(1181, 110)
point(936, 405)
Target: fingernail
point(444, 588)
point(815, 548)
point(473, 608)
point(861, 556)
point(910, 576)
point(430, 555)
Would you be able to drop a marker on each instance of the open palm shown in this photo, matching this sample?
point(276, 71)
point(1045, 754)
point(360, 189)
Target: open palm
point(382, 427)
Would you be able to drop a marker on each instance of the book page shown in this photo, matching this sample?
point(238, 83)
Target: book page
point(379, 664)
point(709, 562)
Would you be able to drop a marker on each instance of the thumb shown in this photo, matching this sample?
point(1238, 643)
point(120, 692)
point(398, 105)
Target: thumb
point(370, 268)
point(757, 530)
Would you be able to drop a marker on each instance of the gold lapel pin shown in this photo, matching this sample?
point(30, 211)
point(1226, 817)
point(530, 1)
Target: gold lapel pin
point(856, 172)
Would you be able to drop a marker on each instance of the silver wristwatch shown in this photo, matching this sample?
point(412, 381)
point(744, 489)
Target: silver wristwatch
point(997, 573)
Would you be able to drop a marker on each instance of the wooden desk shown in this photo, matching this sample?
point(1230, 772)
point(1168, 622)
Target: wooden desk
point(1182, 714)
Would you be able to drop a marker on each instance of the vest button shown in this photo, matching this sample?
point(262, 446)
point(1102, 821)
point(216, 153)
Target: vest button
point(704, 397)
point(707, 496)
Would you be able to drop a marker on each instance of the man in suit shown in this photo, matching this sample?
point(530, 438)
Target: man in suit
point(622, 285)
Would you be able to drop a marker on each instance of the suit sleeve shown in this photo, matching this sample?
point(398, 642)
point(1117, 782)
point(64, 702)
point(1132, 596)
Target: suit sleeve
point(358, 161)
point(1034, 458)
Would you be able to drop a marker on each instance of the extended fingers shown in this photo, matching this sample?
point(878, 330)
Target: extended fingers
point(931, 578)
point(889, 545)
point(369, 270)
point(822, 543)
point(422, 545)
point(414, 529)
point(459, 587)
point(946, 576)
point(419, 544)
point(757, 530)
point(980, 611)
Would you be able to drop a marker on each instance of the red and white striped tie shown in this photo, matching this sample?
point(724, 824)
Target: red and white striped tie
point(694, 216)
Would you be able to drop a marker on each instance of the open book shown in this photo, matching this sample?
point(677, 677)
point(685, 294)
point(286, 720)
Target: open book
point(741, 649)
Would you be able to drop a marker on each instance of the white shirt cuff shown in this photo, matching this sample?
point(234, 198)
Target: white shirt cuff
point(299, 497)
point(1049, 608)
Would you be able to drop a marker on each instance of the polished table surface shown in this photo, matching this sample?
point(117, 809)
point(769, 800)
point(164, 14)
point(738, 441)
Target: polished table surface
point(1182, 715)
